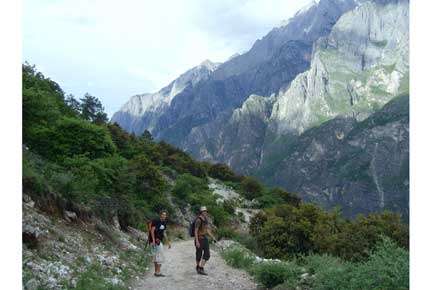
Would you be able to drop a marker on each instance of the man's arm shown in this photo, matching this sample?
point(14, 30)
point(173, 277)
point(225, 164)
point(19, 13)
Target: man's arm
point(196, 233)
point(153, 241)
point(166, 239)
point(210, 234)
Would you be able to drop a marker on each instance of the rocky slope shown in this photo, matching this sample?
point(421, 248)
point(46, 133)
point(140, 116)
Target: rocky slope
point(65, 252)
point(362, 167)
point(360, 66)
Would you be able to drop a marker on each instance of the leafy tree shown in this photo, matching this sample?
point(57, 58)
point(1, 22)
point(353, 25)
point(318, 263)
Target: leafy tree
point(149, 182)
point(180, 161)
point(126, 146)
point(146, 136)
point(43, 103)
point(74, 104)
point(92, 109)
point(72, 136)
point(286, 196)
point(223, 172)
point(252, 188)
point(187, 185)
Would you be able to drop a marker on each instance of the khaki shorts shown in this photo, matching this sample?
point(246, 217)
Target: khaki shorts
point(158, 254)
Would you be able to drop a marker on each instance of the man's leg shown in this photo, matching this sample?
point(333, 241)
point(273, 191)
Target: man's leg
point(206, 255)
point(158, 260)
point(198, 257)
point(156, 268)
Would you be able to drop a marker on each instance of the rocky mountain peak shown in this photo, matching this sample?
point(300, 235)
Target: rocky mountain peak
point(209, 65)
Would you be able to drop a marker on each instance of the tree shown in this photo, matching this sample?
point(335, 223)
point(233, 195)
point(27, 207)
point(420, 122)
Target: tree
point(72, 136)
point(252, 187)
point(223, 172)
point(146, 136)
point(288, 197)
point(43, 103)
point(74, 104)
point(92, 109)
point(149, 182)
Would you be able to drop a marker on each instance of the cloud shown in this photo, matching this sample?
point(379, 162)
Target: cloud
point(137, 46)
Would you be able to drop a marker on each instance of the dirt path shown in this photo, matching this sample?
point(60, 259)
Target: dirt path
point(181, 274)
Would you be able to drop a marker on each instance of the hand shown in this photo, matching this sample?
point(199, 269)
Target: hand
point(197, 244)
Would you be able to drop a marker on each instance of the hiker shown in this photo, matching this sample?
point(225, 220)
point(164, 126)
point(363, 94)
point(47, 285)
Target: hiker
point(158, 234)
point(201, 230)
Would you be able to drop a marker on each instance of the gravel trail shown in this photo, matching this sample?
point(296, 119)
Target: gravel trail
point(181, 274)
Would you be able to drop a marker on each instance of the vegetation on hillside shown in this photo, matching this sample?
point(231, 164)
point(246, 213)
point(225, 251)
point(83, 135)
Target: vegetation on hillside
point(385, 268)
point(73, 159)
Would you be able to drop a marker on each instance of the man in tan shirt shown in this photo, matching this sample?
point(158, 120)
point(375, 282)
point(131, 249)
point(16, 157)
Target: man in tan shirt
point(201, 231)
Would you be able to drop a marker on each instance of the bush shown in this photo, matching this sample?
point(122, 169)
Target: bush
point(225, 233)
point(248, 241)
point(219, 215)
point(238, 257)
point(223, 172)
point(72, 136)
point(251, 188)
point(271, 274)
point(269, 200)
point(187, 185)
point(387, 268)
point(286, 231)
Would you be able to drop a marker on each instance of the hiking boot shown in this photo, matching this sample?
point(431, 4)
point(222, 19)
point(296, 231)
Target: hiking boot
point(201, 271)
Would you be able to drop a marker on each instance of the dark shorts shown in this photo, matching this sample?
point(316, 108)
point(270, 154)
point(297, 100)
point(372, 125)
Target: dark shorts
point(203, 250)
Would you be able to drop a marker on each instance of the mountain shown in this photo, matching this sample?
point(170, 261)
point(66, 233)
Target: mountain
point(334, 60)
point(357, 69)
point(272, 62)
point(141, 112)
point(362, 167)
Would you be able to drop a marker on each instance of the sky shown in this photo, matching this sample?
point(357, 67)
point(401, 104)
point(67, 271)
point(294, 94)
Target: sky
point(116, 49)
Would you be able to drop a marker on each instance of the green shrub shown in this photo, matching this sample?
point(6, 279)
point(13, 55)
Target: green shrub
point(251, 188)
point(73, 136)
point(238, 257)
point(223, 172)
point(268, 200)
point(387, 268)
point(219, 215)
point(286, 231)
point(229, 206)
point(187, 185)
point(271, 274)
point(225, 233)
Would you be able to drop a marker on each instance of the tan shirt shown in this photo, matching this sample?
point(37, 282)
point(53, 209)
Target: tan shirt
point(202, 227)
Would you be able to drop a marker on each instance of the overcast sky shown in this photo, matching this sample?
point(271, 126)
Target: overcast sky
point(115, 49)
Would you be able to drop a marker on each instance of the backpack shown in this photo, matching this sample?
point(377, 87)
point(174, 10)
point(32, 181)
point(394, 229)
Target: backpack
point(192, 227)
